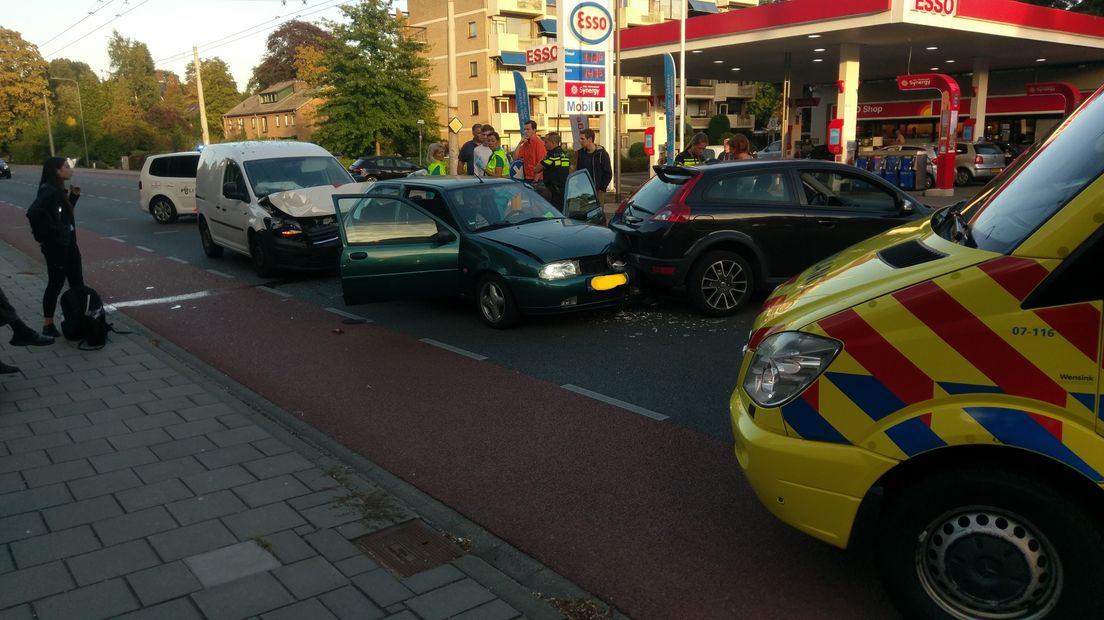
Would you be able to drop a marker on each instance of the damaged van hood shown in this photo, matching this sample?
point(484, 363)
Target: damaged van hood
point(313, 201)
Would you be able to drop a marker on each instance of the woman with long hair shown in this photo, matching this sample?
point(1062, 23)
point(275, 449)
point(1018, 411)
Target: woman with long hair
point(55, 230)
point(740, 148)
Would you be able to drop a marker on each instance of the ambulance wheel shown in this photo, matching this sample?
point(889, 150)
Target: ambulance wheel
point(210, 248)
point(990, 543)
point(963, 177)
point(720, 283)
point(162, 210)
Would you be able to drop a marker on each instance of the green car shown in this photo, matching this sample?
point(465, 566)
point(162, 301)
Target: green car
point(496, 240)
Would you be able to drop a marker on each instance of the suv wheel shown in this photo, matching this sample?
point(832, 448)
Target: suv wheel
point(210, 248)
point(721, 283)
point(963, 177)
point(261, 255)
point(162, 210)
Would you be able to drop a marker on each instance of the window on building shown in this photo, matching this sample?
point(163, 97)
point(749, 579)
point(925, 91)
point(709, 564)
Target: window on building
point(475, 107)
point(502, 106)
point(253, 123)
point(268, 98)
point(624, 107)
point(277, 120)
point(287, 120)
point(722, 109)
point(471, 30)
point(473, 68)
point(264, 124)
point(292, 121)
point(241, 124)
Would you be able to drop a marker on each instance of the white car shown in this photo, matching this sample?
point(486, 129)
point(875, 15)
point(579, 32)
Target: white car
point(167, 186)
point(770, 151)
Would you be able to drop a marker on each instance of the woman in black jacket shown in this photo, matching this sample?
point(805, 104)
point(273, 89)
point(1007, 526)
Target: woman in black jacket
point(54, 228)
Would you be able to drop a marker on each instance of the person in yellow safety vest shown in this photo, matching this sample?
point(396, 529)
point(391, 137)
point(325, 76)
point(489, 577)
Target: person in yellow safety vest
point(436, 154)
point(554, 168)
point(694, 154)
point(498, 165)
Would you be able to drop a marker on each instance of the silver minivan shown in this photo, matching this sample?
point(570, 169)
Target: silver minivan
point(977, 161)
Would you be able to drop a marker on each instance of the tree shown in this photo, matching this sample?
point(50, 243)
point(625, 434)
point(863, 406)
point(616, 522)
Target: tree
point(375, 88)
point(1092, 7)
point(718, 127)
point(220, 92)
point(22, 84)
point(767, 102)
point(132, 68)
point(284, 45)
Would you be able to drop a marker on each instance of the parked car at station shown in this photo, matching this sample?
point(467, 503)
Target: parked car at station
point(1011, 151)
point(379, 167)
point(770, 151)
point(935, 393)
point(166, 187)
point(976, 161)
point(254, 198)
point(5, 170)
point(494, 240)
point(725, 230)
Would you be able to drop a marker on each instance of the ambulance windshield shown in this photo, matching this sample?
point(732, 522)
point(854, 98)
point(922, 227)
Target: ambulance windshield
point(1039, 183)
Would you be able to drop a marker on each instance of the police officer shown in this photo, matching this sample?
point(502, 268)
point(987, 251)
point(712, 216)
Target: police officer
point(693, 155)
point(436, 166)
point(555, 167)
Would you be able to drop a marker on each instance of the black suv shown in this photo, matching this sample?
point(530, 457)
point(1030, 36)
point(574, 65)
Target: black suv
point(379, 167)
point(724, 230)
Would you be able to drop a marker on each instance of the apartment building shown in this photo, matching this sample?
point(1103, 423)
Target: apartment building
point(283, 111)
point(492, 37)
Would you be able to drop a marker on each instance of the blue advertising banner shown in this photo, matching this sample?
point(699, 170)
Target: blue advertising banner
point(669, 96)
point(521, 90)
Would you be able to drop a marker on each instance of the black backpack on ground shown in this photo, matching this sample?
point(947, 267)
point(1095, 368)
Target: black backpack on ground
point(84, 318)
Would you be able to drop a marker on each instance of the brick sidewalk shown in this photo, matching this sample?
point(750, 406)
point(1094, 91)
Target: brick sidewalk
point(138, 483)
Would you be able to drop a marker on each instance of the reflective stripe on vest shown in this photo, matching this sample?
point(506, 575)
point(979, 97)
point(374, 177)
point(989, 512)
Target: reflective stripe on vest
point(437, 168)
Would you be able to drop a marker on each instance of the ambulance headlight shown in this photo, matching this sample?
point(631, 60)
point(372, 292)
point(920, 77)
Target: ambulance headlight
point(785, 364)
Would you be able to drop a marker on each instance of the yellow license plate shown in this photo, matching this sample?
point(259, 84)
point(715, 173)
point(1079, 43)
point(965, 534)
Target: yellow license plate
point(605, 283)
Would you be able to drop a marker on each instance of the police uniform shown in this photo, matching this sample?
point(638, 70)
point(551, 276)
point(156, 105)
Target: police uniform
point(556, 166)
point(686, 158)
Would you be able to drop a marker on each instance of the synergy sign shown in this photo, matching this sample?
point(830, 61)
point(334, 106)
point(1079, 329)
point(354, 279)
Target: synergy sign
point(586, 30)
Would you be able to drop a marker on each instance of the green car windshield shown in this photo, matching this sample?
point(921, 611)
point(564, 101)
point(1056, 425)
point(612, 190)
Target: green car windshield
point(498, 205)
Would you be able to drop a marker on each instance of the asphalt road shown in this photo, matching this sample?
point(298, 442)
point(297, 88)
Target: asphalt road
point(631, 491)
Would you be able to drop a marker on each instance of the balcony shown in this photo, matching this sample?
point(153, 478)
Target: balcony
point(505, 42)
point(528, 8)
point(699, 92)
point(635, 88)
point(742, 122)
point(502, 83)
point(642, 13)
point(635, 122)
point(734, 91)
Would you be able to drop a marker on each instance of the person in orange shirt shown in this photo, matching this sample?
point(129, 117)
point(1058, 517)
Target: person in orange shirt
point(531, 151)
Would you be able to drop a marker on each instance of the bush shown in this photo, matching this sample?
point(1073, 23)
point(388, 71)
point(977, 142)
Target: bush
point(718, 126)
point(634, 164)
point(636, 150)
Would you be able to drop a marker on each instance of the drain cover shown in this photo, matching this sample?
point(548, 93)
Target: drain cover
point(409, 548)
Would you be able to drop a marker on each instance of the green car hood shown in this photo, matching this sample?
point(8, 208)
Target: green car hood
point(554, 240)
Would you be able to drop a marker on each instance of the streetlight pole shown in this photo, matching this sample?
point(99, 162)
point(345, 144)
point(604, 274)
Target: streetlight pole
point(80, 109)
point(421, 124)
point(49, 130)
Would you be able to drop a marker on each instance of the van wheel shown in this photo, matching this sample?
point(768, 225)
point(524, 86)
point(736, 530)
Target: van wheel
point(262, 256)
point(210, 248)
point(496, 304)
point(963, 177)
point(990, 543)
point(721, 283)
point(162, 210)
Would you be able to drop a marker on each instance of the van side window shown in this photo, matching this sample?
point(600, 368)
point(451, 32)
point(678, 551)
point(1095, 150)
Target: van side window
point(233, 174)
point(1079, 279)
point(160, 167)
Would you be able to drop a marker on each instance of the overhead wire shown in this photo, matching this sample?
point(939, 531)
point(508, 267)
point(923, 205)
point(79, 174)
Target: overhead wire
point(75, 24)
point(113, 19)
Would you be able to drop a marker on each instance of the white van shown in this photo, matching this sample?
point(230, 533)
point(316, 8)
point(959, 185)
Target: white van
point(167, 186)
point(233, 183)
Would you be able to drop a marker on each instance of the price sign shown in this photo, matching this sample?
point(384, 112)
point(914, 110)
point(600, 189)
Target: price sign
point(587, 36)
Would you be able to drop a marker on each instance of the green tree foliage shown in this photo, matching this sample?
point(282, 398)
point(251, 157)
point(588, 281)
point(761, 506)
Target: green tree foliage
point(767, 102)
point(132, 70)
point(1092, 7)
point(284, 46)
point(374, 83)
point(718, 127)
point(22, 85)
point(220, 93)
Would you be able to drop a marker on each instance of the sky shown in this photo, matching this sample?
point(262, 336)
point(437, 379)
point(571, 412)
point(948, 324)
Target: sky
point(233, 30)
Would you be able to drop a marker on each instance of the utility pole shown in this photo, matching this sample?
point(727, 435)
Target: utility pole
point(199, 92)
point(49, 129)
point(453, 101)
point(681, 127)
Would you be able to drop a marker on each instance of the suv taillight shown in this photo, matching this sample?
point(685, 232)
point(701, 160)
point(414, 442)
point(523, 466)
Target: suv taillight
point(677, 210)
point(979, 160)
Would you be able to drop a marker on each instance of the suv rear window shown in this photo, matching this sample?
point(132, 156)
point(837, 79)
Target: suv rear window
point(987, 149)
point(654, 195)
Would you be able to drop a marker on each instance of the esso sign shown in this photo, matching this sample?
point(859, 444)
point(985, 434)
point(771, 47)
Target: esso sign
point(545, 53)
point(591, 23)
point(938, 7)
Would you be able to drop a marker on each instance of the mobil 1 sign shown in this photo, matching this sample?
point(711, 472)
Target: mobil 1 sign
point(586, 44)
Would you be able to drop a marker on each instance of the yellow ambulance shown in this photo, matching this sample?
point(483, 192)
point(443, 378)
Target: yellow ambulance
point(936, 391)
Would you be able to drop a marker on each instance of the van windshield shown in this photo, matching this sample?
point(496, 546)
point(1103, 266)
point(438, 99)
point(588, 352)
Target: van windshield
point(1038, 184)
point(280, 174)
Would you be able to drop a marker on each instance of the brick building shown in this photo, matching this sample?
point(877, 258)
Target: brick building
point(284, 111)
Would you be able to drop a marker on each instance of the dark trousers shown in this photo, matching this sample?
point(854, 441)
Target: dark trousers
point(63, 262)
point(7, 312)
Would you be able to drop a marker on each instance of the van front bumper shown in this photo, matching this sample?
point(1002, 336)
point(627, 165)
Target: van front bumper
point(299, 254)
point(814, 486)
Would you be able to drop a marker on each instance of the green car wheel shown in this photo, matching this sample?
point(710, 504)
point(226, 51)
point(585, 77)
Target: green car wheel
point(497, 307)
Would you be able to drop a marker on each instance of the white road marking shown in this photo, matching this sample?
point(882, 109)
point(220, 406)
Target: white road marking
point(119, 239)
point(159, 300)
point(348, 315)
point(609, 400)
point(457, 350)
point(144, 248)
point(269, 289)
point(219, 273)
point(178, 260)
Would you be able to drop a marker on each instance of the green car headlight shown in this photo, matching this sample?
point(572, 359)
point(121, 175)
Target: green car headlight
point(559, 270)
point(785, 364)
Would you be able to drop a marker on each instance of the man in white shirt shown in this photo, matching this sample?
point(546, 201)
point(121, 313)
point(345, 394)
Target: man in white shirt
point(482, 153)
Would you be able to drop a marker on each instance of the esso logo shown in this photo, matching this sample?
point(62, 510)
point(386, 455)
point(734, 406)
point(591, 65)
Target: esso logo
point(939, 7)
point(546, 53)
point(591, 23)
